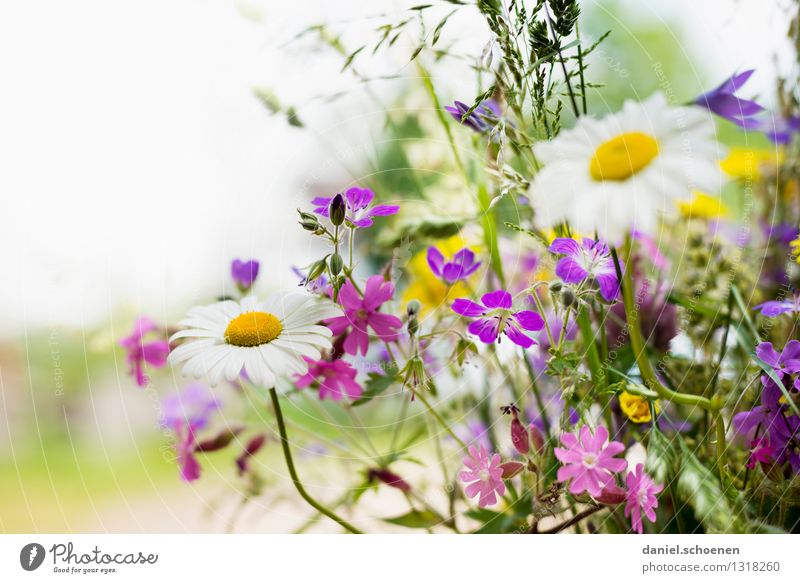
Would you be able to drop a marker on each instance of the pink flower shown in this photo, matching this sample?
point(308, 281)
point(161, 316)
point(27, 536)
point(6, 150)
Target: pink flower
point(641, 497)
point(153, 352)
point(334, 379)
point(484, 476)
point(186, 413)
point(496, 317)
point(762, 452)
point(589, 461)
point(362, 313)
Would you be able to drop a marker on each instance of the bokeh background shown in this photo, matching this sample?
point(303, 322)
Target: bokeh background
point(138, 157)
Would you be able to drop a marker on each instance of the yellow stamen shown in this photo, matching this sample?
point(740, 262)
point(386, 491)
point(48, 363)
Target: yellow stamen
point(253, 329)
point(623, 156)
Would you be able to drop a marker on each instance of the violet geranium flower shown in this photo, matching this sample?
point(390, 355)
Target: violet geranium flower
point(582, 261)
point(153, 352)
point(785, 363)
point(461, 266)
point(334, 379)
point(360, 314)
point(481, 119)
point(589, 461)
point(724, 102)
point(495, 317)
point(244, 273)
point(359, 213)
point(775, 308)
point(641, 497)
point(483, 476)
point(186, 413)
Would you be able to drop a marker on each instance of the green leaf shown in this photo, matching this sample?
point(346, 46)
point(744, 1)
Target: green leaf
point(699, 487)
point(770, 372)
point(417, 519)
point(661, 458)
point(377, 384)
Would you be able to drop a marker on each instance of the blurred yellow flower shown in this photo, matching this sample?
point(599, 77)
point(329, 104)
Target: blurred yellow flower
point(636, 408)
point(702, 206)
point(428, 289)
point(796, 249)
point(747, 163)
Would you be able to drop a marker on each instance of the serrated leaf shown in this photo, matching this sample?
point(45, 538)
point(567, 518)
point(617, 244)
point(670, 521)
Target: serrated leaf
point(377, 384)
point(417, 519)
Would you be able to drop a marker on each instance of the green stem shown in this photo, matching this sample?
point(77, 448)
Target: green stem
point(439, 420)
point(287, 454)
point(593, 360)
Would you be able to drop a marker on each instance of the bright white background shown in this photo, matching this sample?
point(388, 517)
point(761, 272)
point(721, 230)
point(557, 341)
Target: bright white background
point(135, 161)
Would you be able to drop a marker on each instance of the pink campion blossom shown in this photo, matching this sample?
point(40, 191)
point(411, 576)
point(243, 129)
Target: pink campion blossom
point(362, 313)
point(153, 352)
point(483, 477)
point(496, 317)
point(641, 497)
point(334, 379)
point(589, 460)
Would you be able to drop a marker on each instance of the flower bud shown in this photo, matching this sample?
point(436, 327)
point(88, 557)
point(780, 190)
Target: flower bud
point(556, 286)
point(308, 221)
point(611, 495)
point(519, 436)
point(337, 209)
point(388, 478)
point(413, 307)
point(511, 469)
point(336, 263)
point(537, 439)
point(252, 447)
point(567, 297)
point(317, 269)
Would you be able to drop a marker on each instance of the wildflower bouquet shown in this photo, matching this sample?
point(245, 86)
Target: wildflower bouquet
point(584, 337)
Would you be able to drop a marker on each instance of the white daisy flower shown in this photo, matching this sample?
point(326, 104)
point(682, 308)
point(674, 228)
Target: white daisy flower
point(267, 340)
point(625, 170)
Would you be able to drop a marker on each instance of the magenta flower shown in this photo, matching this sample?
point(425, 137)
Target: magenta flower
point(761, 453)
point(587, 260)
point(359, 213)
point(496, 317)
point(775, 308)
point(724, 102)
point(153, 352)
point(461, 266)
point(483, 477)
point(334, 379)
point(641, 497)
point(186, 413)
point(362, 313)
point(589, 460)
point(244, 273)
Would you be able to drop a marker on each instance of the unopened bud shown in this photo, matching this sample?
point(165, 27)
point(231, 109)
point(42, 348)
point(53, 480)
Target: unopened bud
point(337, 209)
point(413, 307)
point(537, 439)
point(556, 286)
point(336, 263)
point(519, 436)
point(317, 269)
point(567, 297)
point(511, 469)
point(611, 495)
point(389, 478)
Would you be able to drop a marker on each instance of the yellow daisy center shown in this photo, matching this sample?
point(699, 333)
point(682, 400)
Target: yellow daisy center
point(253, 329)
point(623, 156)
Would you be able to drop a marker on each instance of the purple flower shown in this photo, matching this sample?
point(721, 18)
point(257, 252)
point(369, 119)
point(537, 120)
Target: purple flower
point(783, 233)
point(359, 212)
point(779, 130)
point(483, 118)
point(333, 378)
point(319, 286)
point(775, 308)
point(362, 313)
point(641, 497)
point(244, 273)
point(785, 363)
point(582, 261)
point(589, 462)
point(483, 476)
point(153, 352)
point(724, 102)
point(495, 317)
point(186, 413)
point(461, 266)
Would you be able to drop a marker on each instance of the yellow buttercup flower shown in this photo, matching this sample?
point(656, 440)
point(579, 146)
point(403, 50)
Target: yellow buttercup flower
point(747, 163)
point(636, 408)
point(796, 249)
point(702, 206)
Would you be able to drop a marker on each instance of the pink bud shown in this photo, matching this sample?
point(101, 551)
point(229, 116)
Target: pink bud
point(511, 469)
point(611, 495)
point(519, 436)
point(537, 438)
point(388, 478)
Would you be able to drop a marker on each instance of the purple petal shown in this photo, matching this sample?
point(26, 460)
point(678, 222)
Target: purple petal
point(766, 352)
point(775, 308)
point(383, 210)
point(609, 286)
point(497, 299)
point(529, 320)
point(517, 336)
point(468, 308)
point(435, 261)
point(570, 271)
point(486, 329)
point(565, 246)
